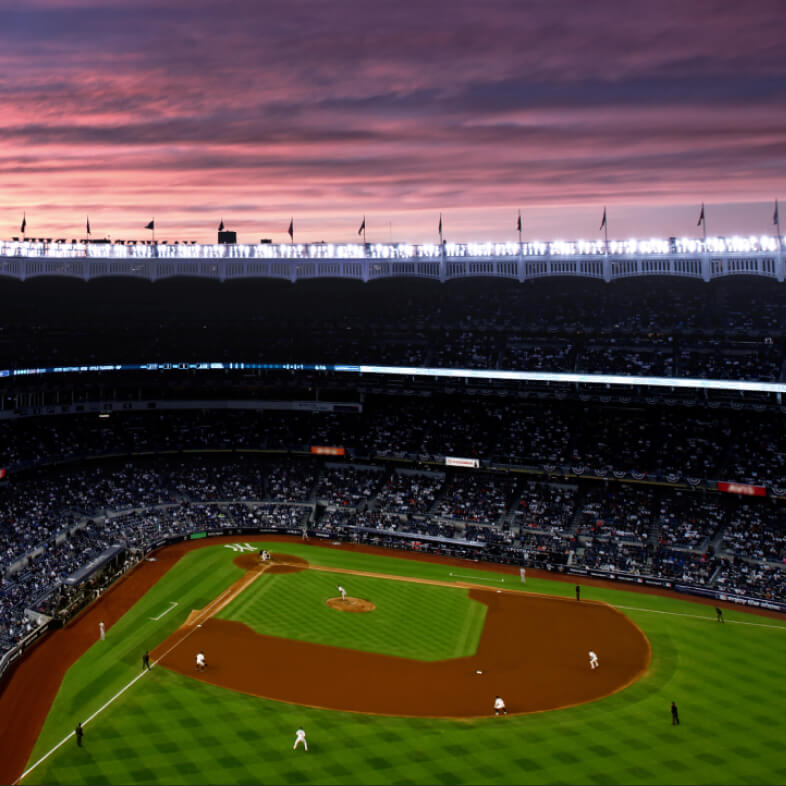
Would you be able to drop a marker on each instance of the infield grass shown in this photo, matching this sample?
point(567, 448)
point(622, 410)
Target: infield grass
point(418, 621)
point(726, 679)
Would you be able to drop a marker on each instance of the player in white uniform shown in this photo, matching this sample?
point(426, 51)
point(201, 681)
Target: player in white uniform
point(200, 661)
point(101, 630)
point(343, 592)
point(593, 660)
point(300, 736)
point(499, 706)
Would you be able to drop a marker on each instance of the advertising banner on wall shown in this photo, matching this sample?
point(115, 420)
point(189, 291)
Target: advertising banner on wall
point(742, 488)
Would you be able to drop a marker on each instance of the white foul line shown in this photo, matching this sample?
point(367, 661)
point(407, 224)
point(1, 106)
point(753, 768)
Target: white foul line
point(699, 617)
point(68, 736)
point(474, 578)
point(100, 709)
point(172, 605)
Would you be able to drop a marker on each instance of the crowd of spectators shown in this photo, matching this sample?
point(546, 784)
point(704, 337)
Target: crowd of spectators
point(669, 443)
point(617, 511)
point(689, 519)
point(614, 556)
point(548, 507)
point(757, 532)
point(480, 499)
point(406, 491)
point(657, 325)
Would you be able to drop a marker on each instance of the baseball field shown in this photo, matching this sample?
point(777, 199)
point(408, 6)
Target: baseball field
point(396, 683)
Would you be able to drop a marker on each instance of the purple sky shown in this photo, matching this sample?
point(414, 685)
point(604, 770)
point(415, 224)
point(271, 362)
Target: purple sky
point(192, 111)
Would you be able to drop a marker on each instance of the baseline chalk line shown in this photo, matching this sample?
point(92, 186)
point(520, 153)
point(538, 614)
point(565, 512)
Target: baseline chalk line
point(706, 617)
point(172, 605)
point(475, 578)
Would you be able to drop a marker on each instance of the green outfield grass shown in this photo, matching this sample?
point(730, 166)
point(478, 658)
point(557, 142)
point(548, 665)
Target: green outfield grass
point(417, 621)
point(167, 728)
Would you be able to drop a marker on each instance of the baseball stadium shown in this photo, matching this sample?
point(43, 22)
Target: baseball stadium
point(374, 508)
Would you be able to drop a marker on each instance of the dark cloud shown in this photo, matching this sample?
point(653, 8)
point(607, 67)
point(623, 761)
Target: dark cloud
point(425, 104)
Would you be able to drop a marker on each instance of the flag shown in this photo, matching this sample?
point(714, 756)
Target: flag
point(603, 222)
point(88, 225)
point(518, 223)
point(701, 215)
point(362, 226)
point(221, 226)
point(291, 230)
point(775, 214)
point(151, 224)
point(24, 223)
point(440, 224)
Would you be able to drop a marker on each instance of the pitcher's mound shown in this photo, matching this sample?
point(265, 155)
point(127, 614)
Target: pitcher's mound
point(356, 605)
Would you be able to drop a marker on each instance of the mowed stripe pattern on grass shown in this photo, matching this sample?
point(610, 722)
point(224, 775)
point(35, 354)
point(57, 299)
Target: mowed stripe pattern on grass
point(109, 665)
point(726, 679)
point(416, 621)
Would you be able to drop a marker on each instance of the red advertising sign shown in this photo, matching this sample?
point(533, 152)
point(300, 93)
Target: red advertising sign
point(743, 488)
point(327, 451)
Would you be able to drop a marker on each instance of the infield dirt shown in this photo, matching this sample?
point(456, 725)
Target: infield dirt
point(532, 651)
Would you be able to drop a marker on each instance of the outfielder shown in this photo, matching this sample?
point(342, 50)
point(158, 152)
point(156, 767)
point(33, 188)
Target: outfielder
point(300, 736)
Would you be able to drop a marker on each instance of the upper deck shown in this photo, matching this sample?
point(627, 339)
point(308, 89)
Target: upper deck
point(714, 258)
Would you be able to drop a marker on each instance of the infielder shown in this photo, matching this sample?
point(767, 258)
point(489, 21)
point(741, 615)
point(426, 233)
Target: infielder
point(200, 661)
point(300, 736)
point(593, 660)
point(343, 592)
point(499, 706)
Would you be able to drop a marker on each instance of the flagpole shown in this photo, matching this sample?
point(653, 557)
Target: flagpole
point(364, 230)
point(519, 228)
point(442, 265)
point(780, 272)
point(605, 232)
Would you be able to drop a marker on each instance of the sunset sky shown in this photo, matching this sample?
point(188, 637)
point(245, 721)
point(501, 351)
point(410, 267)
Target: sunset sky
point(190, 111)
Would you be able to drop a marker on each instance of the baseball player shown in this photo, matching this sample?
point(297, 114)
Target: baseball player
point(499, 706)
point(523, 574)
point(300, 736)
point(101, 631)
point(593, 660)
point(343, 592)
point(200, 661)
